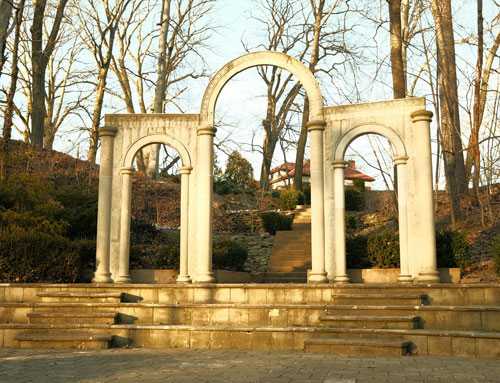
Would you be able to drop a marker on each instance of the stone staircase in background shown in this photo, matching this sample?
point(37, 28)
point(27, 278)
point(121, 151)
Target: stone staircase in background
point(355, 319)
point(291, 254)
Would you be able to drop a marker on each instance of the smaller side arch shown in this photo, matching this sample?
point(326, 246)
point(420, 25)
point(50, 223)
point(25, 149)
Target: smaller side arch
point(161, 138)
point(371, 128)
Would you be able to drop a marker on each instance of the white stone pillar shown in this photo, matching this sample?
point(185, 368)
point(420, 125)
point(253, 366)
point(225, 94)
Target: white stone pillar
point(340, 253)
point(103, 239)
point(318, 274)
point(126, 207)
point(204, 272)
point(424, 198)
point(183, 277)
point(404, 273)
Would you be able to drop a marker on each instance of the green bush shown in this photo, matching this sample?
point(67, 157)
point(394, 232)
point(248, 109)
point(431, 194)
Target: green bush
point(167, 258)
point(452, 249)
point(79, 210)
point(383, 250)
point(35, 257)
point(273, 222)
point(357, 253)
point(495, 254)
point(289, 199)
point(359, 185)
point(228, 255)
point(354, 200)
point(306, 189)
point(223, 186)
point(350, 222)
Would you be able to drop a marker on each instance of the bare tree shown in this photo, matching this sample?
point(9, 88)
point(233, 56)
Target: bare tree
point(5, 15)
point(451, 143)
point(97, 26)
point(39, 59)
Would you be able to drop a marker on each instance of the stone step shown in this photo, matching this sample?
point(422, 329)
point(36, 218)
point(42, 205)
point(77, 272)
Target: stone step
point(87, 297)
point(288, 258)
point(343, 346)
point(365, 321)
point(64, 341)
point(72, 317)
point(377, 299)
point(293, 236)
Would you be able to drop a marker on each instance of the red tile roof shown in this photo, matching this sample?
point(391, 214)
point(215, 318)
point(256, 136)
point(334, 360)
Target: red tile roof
point(350, 172)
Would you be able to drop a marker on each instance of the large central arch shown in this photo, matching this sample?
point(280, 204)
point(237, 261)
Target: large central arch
point(281, 60)
point(206, 132)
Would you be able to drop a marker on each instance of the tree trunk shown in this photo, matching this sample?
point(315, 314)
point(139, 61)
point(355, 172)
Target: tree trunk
point(450, 119)
point(160, 89)
point(268, 149)
point(397, 66)
point(39, 61)
point(96, 116)
point(5, 13)
point(301, 145)
point(9, 108)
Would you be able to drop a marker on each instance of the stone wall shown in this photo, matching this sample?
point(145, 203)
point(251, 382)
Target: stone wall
point(259, 249)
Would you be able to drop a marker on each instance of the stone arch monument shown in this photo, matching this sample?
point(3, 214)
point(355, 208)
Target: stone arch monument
point(331, 130)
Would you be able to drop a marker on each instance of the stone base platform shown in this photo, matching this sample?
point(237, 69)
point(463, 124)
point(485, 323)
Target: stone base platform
point(458, 320)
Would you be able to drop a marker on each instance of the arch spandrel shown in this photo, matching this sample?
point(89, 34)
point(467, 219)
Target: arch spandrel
point(281, 60)
point(160, 138)
point(372, 128)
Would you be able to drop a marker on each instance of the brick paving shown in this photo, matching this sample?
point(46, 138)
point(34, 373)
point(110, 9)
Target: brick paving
point(224, 366)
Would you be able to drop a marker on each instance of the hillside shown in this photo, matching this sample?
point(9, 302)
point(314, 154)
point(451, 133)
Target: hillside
point(158, 202)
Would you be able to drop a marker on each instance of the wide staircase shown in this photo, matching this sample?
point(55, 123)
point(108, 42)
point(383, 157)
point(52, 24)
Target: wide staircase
point(356, 319)
point(291, 254)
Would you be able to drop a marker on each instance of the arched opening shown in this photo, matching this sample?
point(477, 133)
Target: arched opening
point(388, 156)
point(206, 133)
point(126, 172)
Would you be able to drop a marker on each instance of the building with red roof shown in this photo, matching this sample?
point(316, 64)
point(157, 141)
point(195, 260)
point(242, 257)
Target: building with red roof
point(282, 175)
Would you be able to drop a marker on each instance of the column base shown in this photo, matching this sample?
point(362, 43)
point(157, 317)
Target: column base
point(428, 277)
point(205, 278)
point(102, 278)
point(317, 278)
point(342, 278)
point(405, 278)
point(183, 279)
point(123, 279)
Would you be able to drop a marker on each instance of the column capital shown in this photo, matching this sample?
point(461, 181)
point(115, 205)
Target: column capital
point(316, 125)
point(185, 170)
point(127, 170)
point(107, 131)
point(339, 164)
point(422, 115)
point(400, 160)
point(206, 130)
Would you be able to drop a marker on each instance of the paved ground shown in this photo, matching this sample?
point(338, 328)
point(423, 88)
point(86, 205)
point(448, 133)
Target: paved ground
point(225, 366)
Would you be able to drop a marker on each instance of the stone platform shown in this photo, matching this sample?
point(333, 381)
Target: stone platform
point(456, 320)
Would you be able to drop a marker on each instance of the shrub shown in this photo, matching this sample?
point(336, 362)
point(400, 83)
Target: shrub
point(167, 258)
point(273, 222)
point(359, 185)
point(306, 189)
point(354, 200)
point(79, 210)
point(34, 257)
point(383, 250)
point(223, 186)
point(350, 222)
point(228, 255)
point(495, 253)
point(289, 199)
point(452, 249)
point(357, 253)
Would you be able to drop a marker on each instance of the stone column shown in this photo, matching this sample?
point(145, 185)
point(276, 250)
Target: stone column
point(204, 272)
point(424, 198)
point(318, 274)
point(183, 277)
point(404, 274)
point(340, 254)
point(103, 239)
point(123, 266)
